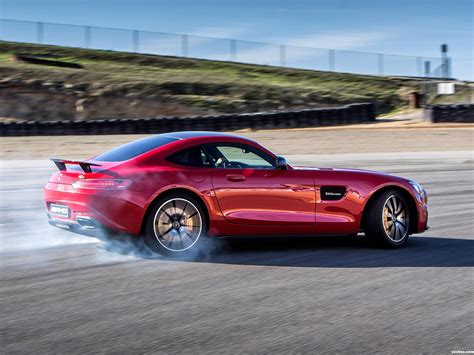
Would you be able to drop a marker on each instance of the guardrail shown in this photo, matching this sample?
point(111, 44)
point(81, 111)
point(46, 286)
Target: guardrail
point(450, 113)
point(348, 114)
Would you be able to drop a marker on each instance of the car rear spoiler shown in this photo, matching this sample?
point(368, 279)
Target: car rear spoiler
point(85, 166)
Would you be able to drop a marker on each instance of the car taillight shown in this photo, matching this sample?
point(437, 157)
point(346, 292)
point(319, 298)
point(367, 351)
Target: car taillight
point(102, 184)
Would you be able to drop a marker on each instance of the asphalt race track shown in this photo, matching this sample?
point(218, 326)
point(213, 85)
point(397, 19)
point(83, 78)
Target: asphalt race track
point(66, 293)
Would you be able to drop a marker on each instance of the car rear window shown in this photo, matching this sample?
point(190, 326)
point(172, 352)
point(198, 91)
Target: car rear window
point(134, 149)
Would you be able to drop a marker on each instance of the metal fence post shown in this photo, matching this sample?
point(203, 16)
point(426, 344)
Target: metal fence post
point(332, 60)
point(282, 55)
point(39, 32)
point(233, 50)
point(450, 67)
point(419, 66)
point(444, 61)
point(136, 41)
point(380, 64)
point(184, 45)
point(87, 36)
point(426, 98)
point(427, 68)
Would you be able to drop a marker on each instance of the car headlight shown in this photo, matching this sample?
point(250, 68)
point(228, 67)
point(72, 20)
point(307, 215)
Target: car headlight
point(418, 189)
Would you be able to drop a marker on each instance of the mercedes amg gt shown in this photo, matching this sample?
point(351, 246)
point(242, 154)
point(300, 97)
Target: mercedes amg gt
point(177, 189)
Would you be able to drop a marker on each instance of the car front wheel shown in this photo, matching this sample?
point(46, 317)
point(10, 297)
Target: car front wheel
point(388, 220)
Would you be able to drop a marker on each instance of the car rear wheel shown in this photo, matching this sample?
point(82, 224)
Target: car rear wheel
point(388, 220)
point(176, 225)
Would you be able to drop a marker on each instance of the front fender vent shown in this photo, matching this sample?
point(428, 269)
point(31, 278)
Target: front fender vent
point(332, 193)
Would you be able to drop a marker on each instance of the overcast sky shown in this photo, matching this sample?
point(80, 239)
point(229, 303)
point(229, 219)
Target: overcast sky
point(411, 27)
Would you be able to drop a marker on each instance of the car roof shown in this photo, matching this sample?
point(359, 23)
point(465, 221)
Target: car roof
point(197, 134)
point(166, 143)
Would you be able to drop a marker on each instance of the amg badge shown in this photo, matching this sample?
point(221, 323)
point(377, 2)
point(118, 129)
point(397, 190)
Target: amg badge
point(59, 210)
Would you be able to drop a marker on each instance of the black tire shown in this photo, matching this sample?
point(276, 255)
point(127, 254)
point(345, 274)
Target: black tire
point(388, 225)
point(171, 243)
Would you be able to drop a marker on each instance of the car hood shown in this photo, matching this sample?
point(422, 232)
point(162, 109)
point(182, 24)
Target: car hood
point(359, 173)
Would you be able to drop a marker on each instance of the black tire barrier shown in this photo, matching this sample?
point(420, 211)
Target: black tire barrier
point(450, 113)
point(348, 114)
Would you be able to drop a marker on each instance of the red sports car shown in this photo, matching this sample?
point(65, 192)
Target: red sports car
point(177, 189)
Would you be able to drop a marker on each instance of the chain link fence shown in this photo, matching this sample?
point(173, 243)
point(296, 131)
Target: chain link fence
point(183, 45)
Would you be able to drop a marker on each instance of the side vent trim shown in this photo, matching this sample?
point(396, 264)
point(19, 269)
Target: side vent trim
point(332, 193)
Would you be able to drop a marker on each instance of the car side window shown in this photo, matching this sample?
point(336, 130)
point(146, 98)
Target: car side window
point(238, 156)
point(194, 157)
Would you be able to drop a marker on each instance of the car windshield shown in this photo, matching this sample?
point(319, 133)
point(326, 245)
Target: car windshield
point(134, 149)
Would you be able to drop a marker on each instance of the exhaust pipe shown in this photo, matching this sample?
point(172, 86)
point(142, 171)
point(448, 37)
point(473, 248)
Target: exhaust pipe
point(87, 222)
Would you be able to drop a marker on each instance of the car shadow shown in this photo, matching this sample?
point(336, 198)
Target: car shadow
point(327, 252)
point(347, 252)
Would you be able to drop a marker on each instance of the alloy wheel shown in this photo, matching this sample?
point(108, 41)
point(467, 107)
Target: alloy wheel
point(395, 218)
point(177, 224)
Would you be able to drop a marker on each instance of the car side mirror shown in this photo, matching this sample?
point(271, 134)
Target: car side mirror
point(281, 162)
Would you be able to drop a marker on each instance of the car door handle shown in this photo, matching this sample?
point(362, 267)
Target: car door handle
point(235, 177)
